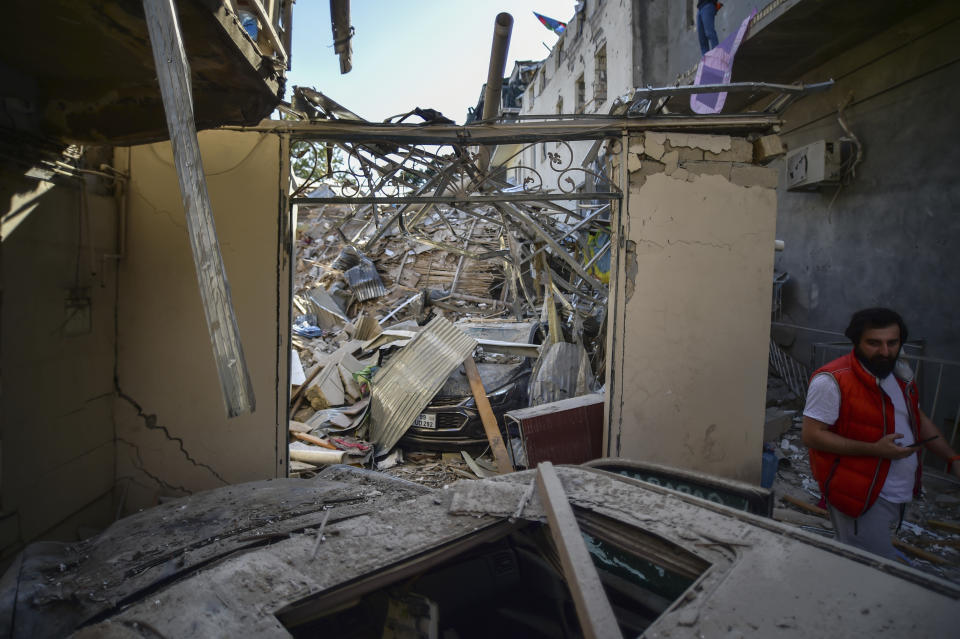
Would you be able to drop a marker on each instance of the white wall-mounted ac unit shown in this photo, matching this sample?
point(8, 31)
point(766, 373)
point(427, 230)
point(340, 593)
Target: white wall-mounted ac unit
point(814, 165)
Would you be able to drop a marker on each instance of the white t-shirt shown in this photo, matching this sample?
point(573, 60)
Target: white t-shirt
point(823, 405)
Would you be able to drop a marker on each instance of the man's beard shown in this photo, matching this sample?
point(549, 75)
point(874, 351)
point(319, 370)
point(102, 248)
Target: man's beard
point(879, 366)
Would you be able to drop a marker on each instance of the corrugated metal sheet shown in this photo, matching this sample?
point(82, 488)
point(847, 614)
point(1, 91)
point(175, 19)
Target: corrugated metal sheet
point(403, 388)
point(569, 431)
point(349, 257)
point(365, 282)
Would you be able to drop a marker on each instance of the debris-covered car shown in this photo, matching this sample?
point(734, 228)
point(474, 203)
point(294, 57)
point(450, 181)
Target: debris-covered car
point(451, 421)
point(354, 554)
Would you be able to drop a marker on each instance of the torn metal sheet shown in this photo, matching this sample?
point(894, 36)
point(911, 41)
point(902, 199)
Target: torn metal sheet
point(348, 258)
point(365, 281)
point(406, 384)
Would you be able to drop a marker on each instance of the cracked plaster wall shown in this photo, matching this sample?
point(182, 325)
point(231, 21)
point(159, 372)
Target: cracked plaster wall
point(889, 237)
point(56, 410)
point(172, 431)
point(690, 305)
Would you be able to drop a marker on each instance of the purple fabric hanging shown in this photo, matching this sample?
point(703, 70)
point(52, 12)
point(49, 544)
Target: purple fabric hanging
point(716, 67)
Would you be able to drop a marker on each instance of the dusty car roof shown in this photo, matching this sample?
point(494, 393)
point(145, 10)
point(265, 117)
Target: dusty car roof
point(761, 578)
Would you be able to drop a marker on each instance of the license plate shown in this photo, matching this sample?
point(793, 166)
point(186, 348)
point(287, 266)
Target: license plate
point(426, 420)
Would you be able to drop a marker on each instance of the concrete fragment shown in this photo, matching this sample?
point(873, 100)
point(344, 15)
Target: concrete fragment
point(750, 175)
point(740, 151)
point(767, 148)
point(654, 145)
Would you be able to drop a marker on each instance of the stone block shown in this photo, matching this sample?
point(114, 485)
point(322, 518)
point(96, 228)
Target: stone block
point(750, 175)
point(709, 168)
point(633, 161)
point(702, 141)
point(648, 167)
point(654, 143)
point(670, 161)
point(740, 151)
point(687, 154)
point(767, 148)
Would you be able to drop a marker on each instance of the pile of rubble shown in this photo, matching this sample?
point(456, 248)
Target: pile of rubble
point(383, 332)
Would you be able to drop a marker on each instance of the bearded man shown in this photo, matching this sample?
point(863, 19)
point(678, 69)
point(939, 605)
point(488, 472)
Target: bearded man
point(863, 425)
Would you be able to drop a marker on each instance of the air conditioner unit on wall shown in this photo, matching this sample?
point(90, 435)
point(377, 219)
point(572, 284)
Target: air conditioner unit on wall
point(814, 165)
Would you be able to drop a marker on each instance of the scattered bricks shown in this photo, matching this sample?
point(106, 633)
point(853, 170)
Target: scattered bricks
point(750, 175)
point(740, 151)
point(709, 168)
point(767, 148)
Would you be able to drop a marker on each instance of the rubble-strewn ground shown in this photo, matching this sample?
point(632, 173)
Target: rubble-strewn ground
point(423, 269)
point(940, 501)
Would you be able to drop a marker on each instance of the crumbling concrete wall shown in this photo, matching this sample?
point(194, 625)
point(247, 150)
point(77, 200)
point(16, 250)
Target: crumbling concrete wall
point(172, 432)
point(55, 414)
point(689, 310)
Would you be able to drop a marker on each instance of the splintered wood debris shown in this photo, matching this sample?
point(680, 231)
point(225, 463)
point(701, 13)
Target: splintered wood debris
point(370, 277)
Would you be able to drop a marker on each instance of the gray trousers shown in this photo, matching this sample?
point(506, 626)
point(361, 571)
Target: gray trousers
point(872, 530)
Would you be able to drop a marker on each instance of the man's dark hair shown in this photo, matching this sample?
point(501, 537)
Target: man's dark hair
point(874, 318)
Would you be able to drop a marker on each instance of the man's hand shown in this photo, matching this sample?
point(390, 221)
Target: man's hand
point(819, 436)
point(887, 447)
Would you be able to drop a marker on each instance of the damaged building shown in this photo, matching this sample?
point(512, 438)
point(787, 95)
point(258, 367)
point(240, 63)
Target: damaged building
point(352, 430)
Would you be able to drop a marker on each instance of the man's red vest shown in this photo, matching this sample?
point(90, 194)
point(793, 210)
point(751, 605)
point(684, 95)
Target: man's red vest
point(851, 484)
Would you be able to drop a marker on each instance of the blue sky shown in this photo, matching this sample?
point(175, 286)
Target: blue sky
point(409, 53)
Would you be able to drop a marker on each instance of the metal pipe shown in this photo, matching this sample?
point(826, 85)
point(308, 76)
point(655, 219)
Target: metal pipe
point(502, 28)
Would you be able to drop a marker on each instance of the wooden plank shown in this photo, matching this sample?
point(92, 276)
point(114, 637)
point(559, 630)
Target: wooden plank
point(810, 508)
point(310, 439)
point(173, 74)
point(917, 552)
point(266, 24)
point(593, 608)
point(944, 525)
point(487, 417)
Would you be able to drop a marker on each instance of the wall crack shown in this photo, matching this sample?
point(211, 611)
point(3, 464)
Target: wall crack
point(150, 421)
point(143, 469)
